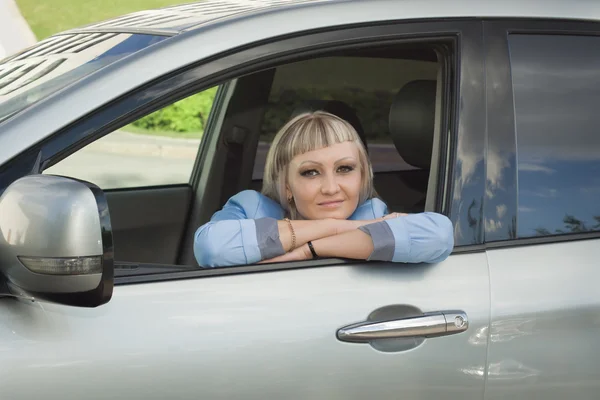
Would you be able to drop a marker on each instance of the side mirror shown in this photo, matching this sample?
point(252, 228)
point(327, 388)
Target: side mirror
point(56, 240)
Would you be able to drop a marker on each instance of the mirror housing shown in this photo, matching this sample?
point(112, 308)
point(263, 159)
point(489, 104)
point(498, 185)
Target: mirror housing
point(56, 240)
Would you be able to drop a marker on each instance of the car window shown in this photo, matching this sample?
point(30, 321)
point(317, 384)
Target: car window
point(367, 85)
point(58, 61)
point(155, 150)
point(556, 84)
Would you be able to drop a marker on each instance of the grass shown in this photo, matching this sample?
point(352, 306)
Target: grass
point(47, 17)
point(179, 135)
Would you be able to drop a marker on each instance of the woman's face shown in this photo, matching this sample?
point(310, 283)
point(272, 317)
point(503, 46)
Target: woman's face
point(325, 183)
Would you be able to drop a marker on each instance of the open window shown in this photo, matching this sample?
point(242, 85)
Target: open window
point(395, 97)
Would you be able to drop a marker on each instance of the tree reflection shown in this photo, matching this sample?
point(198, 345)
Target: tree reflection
point(512, 229)
point(572, 225)
point(475, 223)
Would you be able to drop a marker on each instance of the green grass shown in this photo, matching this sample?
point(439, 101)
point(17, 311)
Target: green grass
point(179, 135)
point(47, 17)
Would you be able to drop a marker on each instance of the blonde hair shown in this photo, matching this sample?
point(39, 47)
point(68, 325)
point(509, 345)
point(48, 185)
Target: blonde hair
point(307, 132)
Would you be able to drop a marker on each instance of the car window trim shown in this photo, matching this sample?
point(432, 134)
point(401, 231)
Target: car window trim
point(449, 117)
point(190, 272)
point(541, 240)
point(500, 106)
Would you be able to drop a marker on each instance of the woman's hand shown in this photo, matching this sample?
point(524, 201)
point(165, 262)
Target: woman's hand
point(298, 254)
point(346, 225)
point(341, 226)
point(349, 225)
point(393, 215)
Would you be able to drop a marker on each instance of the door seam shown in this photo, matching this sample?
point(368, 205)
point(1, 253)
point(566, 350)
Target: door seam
point(489, 329)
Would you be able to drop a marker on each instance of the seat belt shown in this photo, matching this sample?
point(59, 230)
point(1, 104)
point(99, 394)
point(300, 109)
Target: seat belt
point(233, 162)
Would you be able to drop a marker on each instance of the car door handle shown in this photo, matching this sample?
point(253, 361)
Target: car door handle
point(440, 323)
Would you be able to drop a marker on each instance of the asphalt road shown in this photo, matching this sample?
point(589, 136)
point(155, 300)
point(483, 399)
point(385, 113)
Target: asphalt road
point(122, 160)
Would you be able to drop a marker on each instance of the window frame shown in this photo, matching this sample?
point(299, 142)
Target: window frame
point(467, 88)
point(501, 127)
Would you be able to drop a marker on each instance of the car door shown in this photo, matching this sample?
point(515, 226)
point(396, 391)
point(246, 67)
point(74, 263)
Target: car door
point(282, 330)
point(543, 268)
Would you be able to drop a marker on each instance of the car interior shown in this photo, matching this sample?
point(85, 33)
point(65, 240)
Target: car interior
point(393, 96)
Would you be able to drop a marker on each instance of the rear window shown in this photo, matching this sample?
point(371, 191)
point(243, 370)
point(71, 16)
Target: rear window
point(556, 84)
point(56, 62)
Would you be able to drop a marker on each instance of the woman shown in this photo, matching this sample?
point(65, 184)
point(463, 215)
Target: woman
point(318, 200)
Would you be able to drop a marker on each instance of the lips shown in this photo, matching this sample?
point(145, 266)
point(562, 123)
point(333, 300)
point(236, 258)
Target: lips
point(331, 204)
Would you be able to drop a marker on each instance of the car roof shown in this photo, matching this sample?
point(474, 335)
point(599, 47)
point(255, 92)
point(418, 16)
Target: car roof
point(185, 17)
point(176, 19)
point(232, 26)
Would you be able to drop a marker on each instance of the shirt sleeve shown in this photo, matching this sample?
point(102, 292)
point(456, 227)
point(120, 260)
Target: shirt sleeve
point(415, 238)
point(232, 238)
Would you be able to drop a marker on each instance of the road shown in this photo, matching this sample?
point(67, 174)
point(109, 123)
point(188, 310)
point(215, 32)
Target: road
point(15, 33)
point(122, 159)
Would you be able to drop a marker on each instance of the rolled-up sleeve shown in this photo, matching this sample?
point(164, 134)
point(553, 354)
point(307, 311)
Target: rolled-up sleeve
point(383, 241)
point(232, 237)
point(267, 236)
point(416, 238)
point(225, 243)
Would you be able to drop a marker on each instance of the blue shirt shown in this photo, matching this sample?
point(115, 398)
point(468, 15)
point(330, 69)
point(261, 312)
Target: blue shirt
point(244, 231)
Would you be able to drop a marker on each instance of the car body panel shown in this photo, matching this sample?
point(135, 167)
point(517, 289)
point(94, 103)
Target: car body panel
point(545, 324)
point(251, 335)
point(175, 19)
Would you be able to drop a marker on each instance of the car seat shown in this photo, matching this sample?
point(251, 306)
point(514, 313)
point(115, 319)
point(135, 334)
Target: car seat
point(411, 125)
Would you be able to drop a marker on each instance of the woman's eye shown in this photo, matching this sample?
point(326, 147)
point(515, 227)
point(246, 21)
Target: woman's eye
point(309, 172)
point(345, 169)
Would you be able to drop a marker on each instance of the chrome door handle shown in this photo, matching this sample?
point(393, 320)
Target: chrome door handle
point(434, 324)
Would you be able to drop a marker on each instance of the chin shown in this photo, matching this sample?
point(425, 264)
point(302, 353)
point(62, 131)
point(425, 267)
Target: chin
point(335, 214)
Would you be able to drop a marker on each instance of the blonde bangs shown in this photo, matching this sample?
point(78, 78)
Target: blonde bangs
point(309, 134)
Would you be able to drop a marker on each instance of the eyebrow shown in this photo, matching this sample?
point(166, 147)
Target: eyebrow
point(318, 163)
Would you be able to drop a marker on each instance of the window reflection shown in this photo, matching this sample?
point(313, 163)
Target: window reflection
point(556, 83)
point(58, 61)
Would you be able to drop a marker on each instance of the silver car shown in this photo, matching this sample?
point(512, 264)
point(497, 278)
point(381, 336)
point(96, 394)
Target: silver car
point(485, 111)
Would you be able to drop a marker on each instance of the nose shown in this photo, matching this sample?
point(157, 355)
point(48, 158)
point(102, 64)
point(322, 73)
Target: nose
point(329, 185)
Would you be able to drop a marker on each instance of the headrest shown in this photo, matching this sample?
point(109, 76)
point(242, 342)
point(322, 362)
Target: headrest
point(412, 119)
point(337, 108)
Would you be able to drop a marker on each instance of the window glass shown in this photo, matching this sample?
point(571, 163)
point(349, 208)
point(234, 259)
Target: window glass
point(556, 83)
point(158, 149)
point(58, 61)
point(365, 84)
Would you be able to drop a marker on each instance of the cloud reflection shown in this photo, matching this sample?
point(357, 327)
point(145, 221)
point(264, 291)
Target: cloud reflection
point(556, 92)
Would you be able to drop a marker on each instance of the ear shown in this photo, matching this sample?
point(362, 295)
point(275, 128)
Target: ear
point(288, 192)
